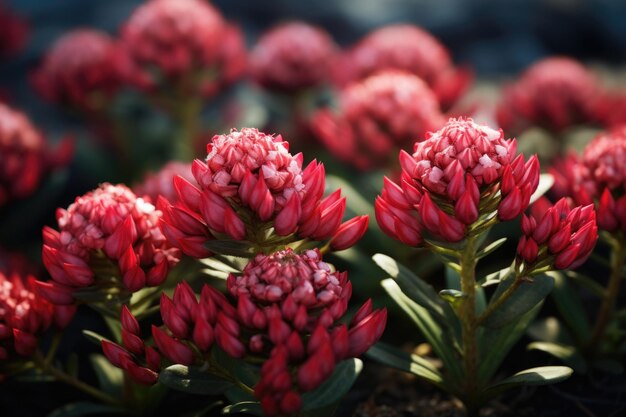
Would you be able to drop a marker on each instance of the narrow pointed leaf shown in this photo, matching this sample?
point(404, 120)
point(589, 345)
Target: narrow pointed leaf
point(535, 376)
point(568, 354)
point(333, 389)
point(490, 248)
point(193, 380)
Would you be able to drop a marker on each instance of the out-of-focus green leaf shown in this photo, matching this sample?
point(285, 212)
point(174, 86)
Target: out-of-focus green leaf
point(544, 375)
point(110, 378)
point(568, 354)
point(193, 380)
point(335, 387)
point(571, 308)
point(546, 181)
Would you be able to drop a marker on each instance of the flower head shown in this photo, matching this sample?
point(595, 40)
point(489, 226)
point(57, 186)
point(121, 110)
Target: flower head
point(174, 42)
point(458, 176)
point(378, 115)
point(25, 315)
point(406, 48)
point(14, 33)
point(106, 234)
point(251, 188)
point(25, 156)
point(291, 57)
point(82, 69)
point(559, 235)
point(555, 93)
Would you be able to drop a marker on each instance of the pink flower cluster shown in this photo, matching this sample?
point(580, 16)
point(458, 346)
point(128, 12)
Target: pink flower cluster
point(82, 69)
point(249, 184)
point(378, 115)
point(25, 155)
point(106, 234)
point(555, 93)
point(406, 48)
point(599, 177)
point(174, 42)
point(25, 315)
point(454, 178)
point(567, 234)
point(292, 57)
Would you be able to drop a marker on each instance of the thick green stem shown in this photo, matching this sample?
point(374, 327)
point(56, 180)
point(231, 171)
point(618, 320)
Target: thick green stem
point(61, 376)
point(618, 257)
point(467, 315)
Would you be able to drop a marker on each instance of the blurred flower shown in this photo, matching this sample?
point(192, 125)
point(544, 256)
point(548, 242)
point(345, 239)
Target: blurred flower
point(558, 236)
point(83, 69)
point(183, 45)
point(108, 238)
point(457, 177)
point(25, 315)
point(555, 93)
point(24, 155)
point(291, 57)
point(407, 48)
point(291, 305)
point(572, 179)
point(251, 188)
point(161, 183)
point(377, 116)
point(14, 32)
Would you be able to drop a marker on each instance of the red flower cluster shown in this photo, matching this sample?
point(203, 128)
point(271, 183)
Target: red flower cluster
point(109, 238)
point(249, 184)
point(184, 44)
point(24, 155)
point(13, 32)
point(289, 304)
point(82, 69)
point(599, 176)
point(560, 235)
point(24, 315)
point(378, 115)
point(161, 183)
point(407, 48)
point(555, 93)
point(458, 176)
point(292, 57)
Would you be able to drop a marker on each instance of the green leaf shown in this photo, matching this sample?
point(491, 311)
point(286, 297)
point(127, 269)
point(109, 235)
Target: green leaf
point(85, 409)
point(248, 407)
point(334, 388)
point(443, 346)
point(422, 293)
point(193, 380)
point(566, 353)
point(110, 378)
point(495, 344)
point(570, 307)
point(527, 296)
point(452, 297)
point(551, 330)
point(496, 277)
point(218, 265)
point(237, 248)
point(94, 337)
point(490, 248)
point(545, 183)
point(544, 375)
point(407, 362)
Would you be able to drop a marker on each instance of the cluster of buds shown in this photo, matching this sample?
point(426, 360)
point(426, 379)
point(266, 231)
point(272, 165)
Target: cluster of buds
point(108, 238)
point(190, 329)
point(13, 32)
point(182, 44)
point(24, 155)
point(251, 188)
point(558, 236)
point(161, 183)
point(406, 48)
point(598, 177)
point(454, 182)
point(25, 315)
point(289, 304)
point(292, 57)
point(83, 69)
point(555, 93)
point(378, 115)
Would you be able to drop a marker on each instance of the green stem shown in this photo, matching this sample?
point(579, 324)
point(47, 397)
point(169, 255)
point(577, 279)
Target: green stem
point(467, 315)
point(61, 376)
point(187, 117)
point(618, 257)
point(501, 300)
point(54, 346)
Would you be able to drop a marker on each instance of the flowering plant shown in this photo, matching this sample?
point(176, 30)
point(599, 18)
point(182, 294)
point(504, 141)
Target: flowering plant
point(460, 182)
